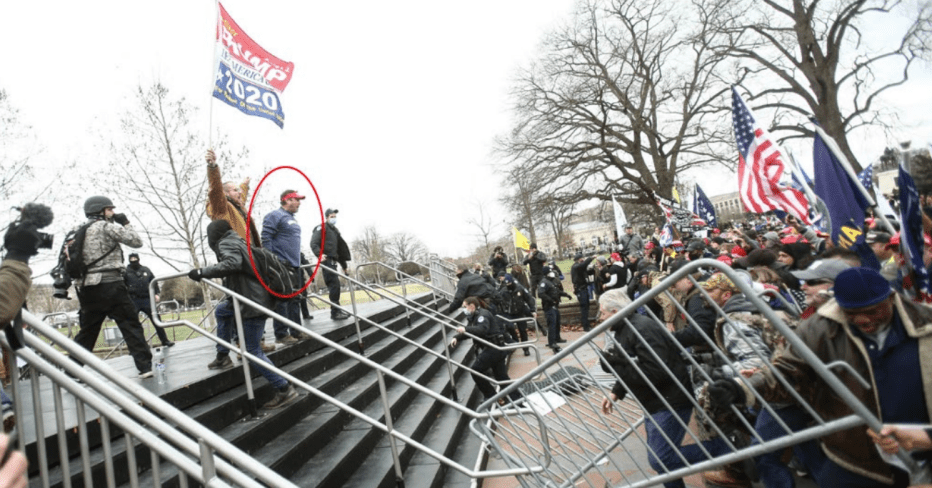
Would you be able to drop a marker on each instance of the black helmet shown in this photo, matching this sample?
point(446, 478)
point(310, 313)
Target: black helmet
point(96, 204)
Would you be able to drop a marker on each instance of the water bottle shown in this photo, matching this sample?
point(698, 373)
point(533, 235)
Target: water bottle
point(160, 365)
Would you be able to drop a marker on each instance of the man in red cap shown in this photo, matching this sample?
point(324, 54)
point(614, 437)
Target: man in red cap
point(281, 234)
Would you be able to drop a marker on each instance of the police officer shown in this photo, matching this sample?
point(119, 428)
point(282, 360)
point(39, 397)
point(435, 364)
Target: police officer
point(535, 262)
point(470, 285)
point(102, 292)
point(479, 322)
point(137, 280)
point(550, 294)
point(335, 252)
point(579, 274)
point(517, 303)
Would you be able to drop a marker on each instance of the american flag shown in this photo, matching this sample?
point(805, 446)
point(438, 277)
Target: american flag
point(760, 166)
point(867, 176)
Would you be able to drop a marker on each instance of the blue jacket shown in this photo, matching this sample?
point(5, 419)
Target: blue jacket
point(281, 234)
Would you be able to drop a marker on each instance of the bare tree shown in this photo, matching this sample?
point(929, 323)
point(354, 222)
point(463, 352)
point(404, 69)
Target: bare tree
point(519, 198)
point(558, 217)
point(815, 59)
point(623, 99)
point(18, 146)
point(483, 225)
point(370, 247)
point(404, 247)
point(159, 166)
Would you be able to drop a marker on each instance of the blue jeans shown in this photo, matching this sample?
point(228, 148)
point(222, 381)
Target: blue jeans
point(290, 310)
point(253, 329)
point(663, 456)
point(773, 473)
point(583, 297)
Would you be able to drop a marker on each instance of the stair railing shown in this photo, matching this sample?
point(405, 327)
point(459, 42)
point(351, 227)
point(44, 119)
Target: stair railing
point(384, 426)
point(145, 418)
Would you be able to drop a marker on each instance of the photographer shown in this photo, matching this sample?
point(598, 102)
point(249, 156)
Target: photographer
point(101, 291)
point(498, 261)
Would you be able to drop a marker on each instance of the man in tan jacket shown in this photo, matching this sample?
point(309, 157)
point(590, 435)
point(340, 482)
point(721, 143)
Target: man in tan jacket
point(227, 201)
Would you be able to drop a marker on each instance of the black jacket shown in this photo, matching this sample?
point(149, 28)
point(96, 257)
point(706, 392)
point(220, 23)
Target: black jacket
point(470, 285)
point(517, 301)
point(705, 318)
point(656, 341)
point(137, 280)
point(579, 274)
point(535, 263)
point(616, 270)
point(481, 324)
point(550, 293)
point(334, 245)
point(498, 264)
point(234, 267)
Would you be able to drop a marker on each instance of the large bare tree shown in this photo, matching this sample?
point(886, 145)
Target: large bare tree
point(814, 58)
point(158, 163)
point(624, 98)
point(405, 247)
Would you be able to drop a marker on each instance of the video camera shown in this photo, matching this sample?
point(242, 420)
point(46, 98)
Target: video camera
point(39, 216)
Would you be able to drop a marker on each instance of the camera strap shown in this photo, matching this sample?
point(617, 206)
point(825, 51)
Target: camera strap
point(14, 333)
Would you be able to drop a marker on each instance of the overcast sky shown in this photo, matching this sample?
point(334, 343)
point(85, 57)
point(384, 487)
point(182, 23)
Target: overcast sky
point(391, 112)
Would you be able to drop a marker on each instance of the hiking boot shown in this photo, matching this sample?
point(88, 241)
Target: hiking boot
point(286, 341)
point(145, 374)
point(340, 315)
point(221, 363)
point(282, 398)
point(300, 336)
point(725, 479)
point(266, 347)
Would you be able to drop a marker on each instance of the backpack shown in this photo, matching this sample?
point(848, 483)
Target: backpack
point(277, 275)
point(73, 250)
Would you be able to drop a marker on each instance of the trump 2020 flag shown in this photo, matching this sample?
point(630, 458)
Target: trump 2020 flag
point(703, 207)
point(247, 76)
point(666, 235)
point(843, 199)
point(911, 237)
point(760, 166)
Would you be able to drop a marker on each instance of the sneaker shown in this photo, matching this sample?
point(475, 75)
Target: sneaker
point(286, 341)
point(725, 479)
point(221, 363)
point(527, 352)
point(145, 374)
point(300, 336)
point(340, 315)
point(282, 398)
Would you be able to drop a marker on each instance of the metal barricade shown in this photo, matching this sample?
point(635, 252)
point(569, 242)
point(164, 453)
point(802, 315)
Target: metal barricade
point(442, 275)
point(663, 428)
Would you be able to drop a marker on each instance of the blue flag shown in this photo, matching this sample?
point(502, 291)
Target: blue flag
point(867, 176)
point(844, 201)
point(911, 238)
point(703, 207)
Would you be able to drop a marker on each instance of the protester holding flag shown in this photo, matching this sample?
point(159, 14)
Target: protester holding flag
point(227, 201)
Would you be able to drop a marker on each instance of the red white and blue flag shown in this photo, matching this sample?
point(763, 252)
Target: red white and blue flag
point(248, 77)
point(760, 167)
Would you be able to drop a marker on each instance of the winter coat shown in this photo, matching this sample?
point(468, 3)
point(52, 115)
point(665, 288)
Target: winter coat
point(827, 334)
point(482, 325)
point(535, 263)
point(334, 246)
point(101, 237)
point(137, 280)
point(517, 301)
point(15, 280)
point(234, 267)
point(221, 207)
point(470, 285)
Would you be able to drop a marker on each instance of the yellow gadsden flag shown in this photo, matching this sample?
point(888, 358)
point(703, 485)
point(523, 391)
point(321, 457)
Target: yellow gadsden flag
point(521, 242)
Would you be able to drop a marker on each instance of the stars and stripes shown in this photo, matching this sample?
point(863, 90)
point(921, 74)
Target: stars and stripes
point(760, 166)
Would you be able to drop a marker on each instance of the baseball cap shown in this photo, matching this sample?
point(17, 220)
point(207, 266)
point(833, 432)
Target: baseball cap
point(287, 194)
point(772, 236)
point(719, 280)
point(331, 211)
point(860, 287)
point(823, 269)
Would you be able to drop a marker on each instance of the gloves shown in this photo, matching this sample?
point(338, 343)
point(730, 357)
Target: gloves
point(21, 242)
point(120, 219)
point(196, 274)
point(724, 393)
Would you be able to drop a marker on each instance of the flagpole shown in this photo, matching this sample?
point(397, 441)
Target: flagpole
point(213, 76)
point(832, 146)
point(514, 241)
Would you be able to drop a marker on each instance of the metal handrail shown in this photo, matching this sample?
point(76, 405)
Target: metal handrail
point(151, 414)
point(399, 272)
point(371, 364)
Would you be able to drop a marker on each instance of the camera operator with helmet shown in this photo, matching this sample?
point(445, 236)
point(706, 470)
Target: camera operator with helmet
point(102, 291)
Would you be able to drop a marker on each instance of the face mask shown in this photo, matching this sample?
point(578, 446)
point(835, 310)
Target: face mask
point(469, 312)
point(551, 275)
point(332, 221)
